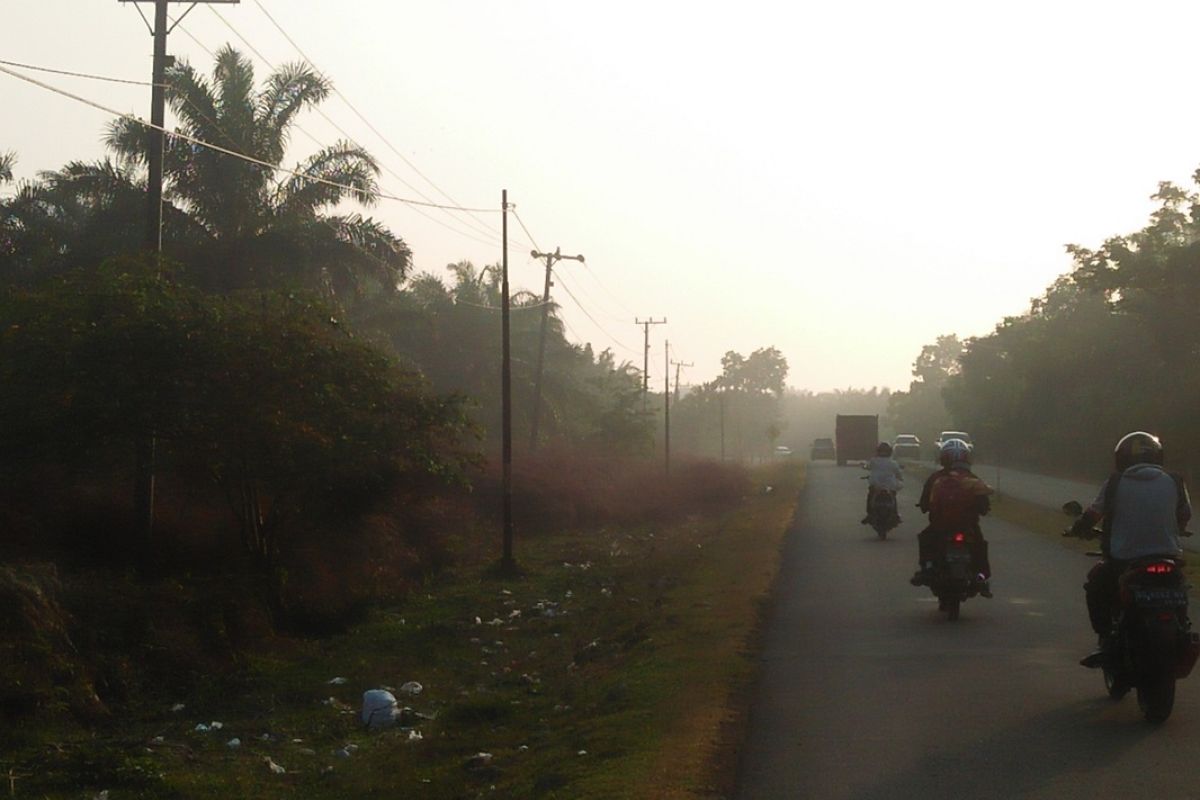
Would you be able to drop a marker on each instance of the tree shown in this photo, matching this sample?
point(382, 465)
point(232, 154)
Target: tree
point(264, 396)
point(264, 228)
point(7, 160)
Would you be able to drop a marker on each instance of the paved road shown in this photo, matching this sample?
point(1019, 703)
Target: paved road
point(868, 693)
point(1041, 489)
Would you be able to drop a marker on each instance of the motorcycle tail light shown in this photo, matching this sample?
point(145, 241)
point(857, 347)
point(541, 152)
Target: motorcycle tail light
point(1161, 568)
point(960, 537)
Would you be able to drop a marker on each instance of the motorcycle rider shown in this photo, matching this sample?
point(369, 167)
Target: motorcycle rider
point(1143, 510)
point(885, 476)
point(955, 498)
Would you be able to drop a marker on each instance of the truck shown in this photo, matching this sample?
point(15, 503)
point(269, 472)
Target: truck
point(857, 436)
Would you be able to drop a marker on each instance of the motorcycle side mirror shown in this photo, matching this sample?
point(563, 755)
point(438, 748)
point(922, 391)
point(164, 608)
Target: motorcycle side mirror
point(1072, 509)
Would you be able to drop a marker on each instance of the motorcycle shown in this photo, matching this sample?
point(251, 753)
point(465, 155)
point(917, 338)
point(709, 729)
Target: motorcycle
point(883, 514)
point(1153, 645)
point(953, 579)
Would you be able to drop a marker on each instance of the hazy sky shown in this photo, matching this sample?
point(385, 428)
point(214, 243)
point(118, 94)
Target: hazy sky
point(844, 181)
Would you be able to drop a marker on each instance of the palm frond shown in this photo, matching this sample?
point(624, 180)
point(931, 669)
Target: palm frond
point(390, 255)
point(234, 98)
point(129, 140)
point(289, 90)
point(342, 163)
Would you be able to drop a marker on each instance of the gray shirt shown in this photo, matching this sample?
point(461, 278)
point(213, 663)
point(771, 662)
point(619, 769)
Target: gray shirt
point(1148, 508)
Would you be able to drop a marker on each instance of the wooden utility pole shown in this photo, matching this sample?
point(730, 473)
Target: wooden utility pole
point(646, 356)
point(143, 489)
point(541, 356)
point(678, 366)
point(507, 563)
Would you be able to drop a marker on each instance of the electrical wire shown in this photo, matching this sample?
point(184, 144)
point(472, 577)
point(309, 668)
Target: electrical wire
point(232, 153)
point(585, 266)
point(522, 224)
point(493, 240)
point(70, 74)
point(359, 114)
point(588, 314)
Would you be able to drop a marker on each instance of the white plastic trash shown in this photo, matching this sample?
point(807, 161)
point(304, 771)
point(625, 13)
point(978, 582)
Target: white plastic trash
point(379, 709)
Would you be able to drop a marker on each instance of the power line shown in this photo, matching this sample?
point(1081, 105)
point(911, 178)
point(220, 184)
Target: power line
point(521, 222)
point(493, 240)
point(70, 74)
point(586, 313)
point(232, 153)
point(587, 268)
point(359, 114)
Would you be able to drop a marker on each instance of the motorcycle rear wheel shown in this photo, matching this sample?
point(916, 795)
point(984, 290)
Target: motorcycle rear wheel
point(1116, 686)
point(1156, 697)
point(951, 605)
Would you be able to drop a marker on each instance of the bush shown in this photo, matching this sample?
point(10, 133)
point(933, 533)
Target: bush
point(563, 489)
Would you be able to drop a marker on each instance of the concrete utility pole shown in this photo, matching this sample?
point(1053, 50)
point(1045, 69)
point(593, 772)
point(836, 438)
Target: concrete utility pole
point(646, 358)
point(507, 563)
point(541, 356)
point(667, 404)
point(144, 481)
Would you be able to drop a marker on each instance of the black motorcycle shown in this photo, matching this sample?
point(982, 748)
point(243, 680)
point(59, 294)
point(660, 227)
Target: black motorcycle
point(1152, 644)
point(884, 515)
point(953, 579)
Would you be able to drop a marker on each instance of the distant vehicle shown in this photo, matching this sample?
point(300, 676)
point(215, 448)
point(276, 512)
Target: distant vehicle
point(782, 451)
point(906, 445)
point(946, 436)
point(823, 448)
point(857, 437)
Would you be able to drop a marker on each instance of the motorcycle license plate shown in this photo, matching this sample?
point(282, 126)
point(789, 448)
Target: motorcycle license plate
point(1160, 597)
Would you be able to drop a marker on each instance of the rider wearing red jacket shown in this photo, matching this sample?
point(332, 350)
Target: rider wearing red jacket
point(955, 498)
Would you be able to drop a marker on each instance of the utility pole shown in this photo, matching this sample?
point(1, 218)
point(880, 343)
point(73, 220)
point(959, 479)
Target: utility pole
point(721, 395)
point(541, 356)
point(507, 564)
point(646, 358)
point(143, 489)
point(678, 366)
point(667, 404)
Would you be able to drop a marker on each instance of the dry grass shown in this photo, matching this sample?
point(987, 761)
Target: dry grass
point(634, 692)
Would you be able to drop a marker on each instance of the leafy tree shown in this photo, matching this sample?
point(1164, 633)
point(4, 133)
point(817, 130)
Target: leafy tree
point(922, 410)
point(265, 395)
point(740, 408)
point(7, 160)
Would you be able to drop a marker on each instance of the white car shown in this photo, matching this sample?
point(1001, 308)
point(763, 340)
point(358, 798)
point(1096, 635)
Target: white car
point(946, 436)
point(906, 445)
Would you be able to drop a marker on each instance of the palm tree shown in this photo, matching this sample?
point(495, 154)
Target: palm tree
point(264, 227)
point(6, 166)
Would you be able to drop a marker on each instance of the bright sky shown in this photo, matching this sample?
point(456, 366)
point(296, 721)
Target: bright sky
point(844, 181)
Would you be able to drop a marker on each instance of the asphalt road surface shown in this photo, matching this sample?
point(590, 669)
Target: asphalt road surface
point(868, 692)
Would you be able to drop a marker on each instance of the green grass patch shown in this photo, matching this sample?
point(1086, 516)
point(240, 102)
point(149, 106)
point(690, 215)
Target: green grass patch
point(613, 667)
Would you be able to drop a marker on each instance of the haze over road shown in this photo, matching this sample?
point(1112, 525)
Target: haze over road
point(868, 693)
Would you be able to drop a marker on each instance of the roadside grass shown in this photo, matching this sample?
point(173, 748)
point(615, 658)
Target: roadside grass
point(615, 666)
